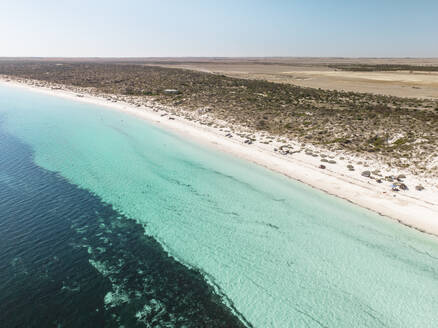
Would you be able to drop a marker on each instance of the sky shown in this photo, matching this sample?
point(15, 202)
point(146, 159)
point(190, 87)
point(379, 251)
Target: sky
point(223, 28)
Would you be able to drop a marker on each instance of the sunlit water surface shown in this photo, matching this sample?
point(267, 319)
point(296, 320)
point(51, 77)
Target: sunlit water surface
point(93, 201)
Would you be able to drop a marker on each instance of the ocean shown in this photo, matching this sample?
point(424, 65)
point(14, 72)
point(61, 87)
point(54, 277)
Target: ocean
point(109, 221)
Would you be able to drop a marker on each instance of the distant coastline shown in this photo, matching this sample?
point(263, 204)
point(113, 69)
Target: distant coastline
point(416, 209)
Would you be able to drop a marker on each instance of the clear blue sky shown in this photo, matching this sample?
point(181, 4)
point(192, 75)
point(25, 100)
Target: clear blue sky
point(135, 28)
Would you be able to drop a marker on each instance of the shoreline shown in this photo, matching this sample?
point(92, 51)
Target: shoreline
point(405, 207)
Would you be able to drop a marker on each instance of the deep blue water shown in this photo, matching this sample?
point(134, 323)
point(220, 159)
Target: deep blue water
point(63, 253)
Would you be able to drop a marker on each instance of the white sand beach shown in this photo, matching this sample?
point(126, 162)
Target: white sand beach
point(414, 208)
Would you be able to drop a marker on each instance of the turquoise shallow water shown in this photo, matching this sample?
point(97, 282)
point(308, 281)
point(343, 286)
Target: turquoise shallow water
point(69, 260)
point(284, 254)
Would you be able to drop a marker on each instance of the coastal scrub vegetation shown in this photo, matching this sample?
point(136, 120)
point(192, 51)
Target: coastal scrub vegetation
point(398, 130)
